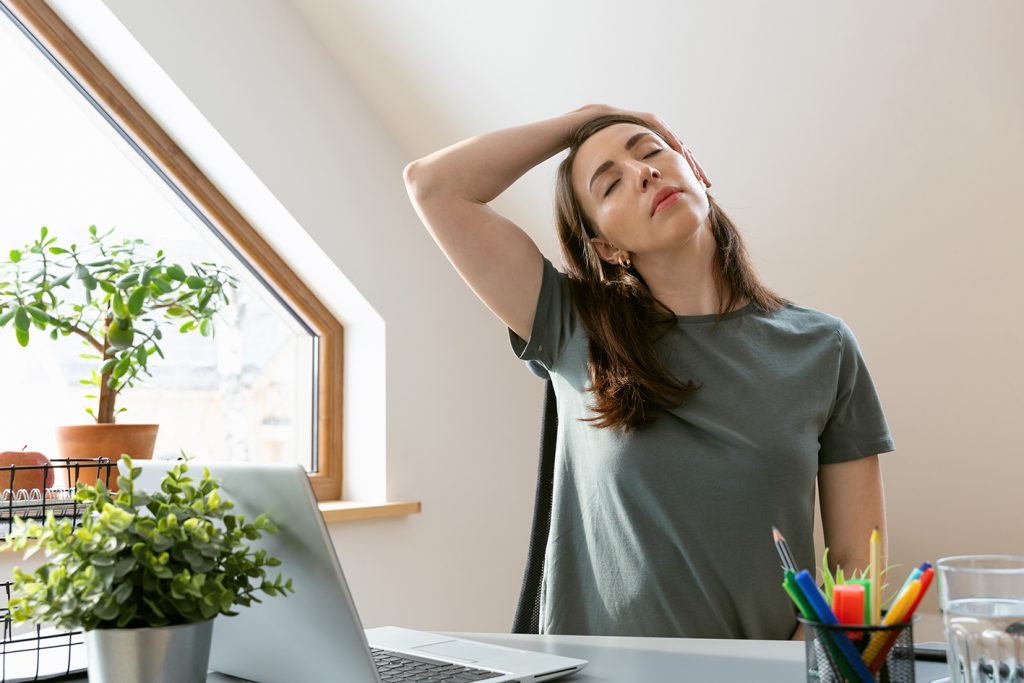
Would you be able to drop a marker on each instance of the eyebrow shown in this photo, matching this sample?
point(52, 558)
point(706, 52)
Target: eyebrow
point(630, 143)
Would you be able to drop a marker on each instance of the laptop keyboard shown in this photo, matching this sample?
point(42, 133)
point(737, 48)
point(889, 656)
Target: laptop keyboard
point(397, 668)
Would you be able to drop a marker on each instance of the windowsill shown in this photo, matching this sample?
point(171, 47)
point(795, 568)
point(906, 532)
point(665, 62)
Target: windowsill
point(348, 511)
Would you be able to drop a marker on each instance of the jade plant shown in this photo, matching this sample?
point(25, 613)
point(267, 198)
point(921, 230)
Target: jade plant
point(115, 295)
point(138, 560)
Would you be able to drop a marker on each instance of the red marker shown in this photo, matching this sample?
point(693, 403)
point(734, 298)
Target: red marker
point(848, 604)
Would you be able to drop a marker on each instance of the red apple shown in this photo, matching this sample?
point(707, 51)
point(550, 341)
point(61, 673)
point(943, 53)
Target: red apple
point(27, 479)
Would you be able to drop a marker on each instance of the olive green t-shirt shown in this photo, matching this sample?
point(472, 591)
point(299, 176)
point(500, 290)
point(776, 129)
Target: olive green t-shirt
point(666, 530)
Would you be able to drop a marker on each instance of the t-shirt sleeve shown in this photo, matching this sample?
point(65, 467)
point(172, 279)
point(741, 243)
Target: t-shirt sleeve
point(553, 324)
point(856, 427)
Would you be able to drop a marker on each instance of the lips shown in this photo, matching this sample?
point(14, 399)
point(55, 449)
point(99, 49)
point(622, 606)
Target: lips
point(662, 195)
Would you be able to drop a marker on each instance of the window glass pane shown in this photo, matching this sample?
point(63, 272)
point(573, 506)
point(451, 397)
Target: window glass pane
point(248, 393)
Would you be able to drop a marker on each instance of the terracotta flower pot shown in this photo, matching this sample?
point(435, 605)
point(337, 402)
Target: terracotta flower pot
point(103, 441)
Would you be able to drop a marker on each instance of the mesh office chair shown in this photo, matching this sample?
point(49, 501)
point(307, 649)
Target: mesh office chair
point(527, 619)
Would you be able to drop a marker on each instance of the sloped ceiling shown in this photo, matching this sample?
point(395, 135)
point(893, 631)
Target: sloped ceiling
point(777, 99)
point(439, 71)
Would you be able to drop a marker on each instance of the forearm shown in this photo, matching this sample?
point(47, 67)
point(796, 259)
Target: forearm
point(482, 167)
point(848, 539)
point(852, 504)
point(855, 559)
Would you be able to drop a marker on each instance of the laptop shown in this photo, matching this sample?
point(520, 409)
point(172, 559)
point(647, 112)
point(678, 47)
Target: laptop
point(315, 634)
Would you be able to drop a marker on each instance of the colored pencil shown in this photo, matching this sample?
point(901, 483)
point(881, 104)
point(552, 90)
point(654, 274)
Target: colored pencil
point(784, 552)
point(873, 576)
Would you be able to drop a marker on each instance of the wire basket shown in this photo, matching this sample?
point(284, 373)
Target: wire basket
point(892, 647)
point(37, 653)
point(24, 492)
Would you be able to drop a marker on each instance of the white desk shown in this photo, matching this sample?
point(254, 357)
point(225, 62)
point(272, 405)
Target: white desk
point(632, 660)
point(658, 660)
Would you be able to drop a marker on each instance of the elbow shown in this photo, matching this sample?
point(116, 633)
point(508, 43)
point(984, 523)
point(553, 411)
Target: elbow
point(410, 172)
point(414, 181)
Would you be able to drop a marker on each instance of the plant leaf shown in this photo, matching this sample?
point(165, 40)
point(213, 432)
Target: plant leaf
point(826, 575)
point(38, 314)
point(21, 320)
point(127, 281)
point(137, 299)
point(161, 284)
point(119, 307)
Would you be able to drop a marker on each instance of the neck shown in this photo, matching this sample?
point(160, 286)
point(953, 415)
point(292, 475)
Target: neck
point(683, 279)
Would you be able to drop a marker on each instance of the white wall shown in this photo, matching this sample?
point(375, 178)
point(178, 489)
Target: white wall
point(870, 152)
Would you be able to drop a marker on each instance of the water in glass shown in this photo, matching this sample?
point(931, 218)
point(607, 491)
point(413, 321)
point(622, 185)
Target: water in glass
point(985, 637)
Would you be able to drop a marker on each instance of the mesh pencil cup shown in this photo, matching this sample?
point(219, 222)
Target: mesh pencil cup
point(887, 651)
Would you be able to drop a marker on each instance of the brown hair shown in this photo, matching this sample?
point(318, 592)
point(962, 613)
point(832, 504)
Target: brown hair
point(630, 380)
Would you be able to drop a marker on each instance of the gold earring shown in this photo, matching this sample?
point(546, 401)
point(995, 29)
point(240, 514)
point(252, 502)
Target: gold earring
point(626, 263)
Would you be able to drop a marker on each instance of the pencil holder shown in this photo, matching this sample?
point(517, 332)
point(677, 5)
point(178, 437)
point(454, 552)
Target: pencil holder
point(887, 653)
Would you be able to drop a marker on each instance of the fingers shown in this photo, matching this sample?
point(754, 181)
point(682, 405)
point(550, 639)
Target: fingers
point(677, 144)
point(673, 140)
point(697, 170)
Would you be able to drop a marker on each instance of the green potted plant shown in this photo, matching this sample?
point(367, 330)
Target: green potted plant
point(144, 574)
point(115, 296)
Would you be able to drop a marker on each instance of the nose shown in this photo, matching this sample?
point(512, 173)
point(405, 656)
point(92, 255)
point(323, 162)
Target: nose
point(645, 174)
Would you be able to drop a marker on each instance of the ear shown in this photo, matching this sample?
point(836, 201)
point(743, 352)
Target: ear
point(608, 253)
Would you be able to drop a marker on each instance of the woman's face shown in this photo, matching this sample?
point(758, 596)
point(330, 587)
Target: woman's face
point(617, 174)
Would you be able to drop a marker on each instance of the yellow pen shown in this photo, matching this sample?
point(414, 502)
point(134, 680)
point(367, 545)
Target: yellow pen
point(894, 616)
point(876, 589)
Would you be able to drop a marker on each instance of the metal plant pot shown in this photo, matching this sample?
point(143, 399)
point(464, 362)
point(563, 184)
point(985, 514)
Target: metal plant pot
point(170, 654)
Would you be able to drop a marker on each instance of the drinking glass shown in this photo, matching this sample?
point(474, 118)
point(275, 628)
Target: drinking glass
point(982, 602)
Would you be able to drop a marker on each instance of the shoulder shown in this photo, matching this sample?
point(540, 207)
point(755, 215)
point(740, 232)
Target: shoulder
point(554, 275)
point(810, 321)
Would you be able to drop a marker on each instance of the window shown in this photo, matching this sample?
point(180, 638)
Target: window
point(267, 387)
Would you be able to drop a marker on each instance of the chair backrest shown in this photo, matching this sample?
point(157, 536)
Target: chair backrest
point(527, 619)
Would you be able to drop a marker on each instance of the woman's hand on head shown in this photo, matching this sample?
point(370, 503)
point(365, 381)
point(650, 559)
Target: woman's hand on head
point(655, 123)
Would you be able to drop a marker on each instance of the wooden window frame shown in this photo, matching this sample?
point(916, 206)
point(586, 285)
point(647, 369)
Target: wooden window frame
point(51, 31)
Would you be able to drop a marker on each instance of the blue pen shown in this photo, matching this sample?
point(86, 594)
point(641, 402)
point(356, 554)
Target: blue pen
point(827, 616)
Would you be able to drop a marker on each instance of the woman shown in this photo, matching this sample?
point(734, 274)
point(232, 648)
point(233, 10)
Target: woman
point(697, 408)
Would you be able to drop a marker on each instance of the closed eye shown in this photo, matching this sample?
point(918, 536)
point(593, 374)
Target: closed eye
point(609, 190)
